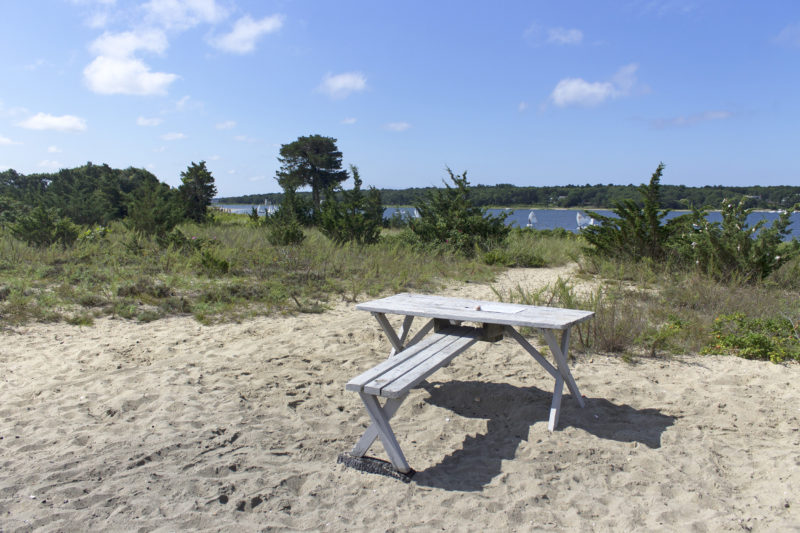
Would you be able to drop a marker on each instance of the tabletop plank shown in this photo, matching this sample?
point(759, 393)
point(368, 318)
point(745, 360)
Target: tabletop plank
point(470, 310)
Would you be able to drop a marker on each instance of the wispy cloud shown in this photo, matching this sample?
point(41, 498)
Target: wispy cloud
point(149, 122)
point(44, 121)
point(5, 141)
point(183, 14)
point(244, 139)
point(49, 164)
point(564, 36)
point(349, 121)
point(579, 92)
point(246, 32)
point(342, 85)
point(790, 35)
point(173, 136)
point(522, 106)
point(54, 150)
point(538, 35)
point(690, 120)
point(397, 126)
point(227, 125)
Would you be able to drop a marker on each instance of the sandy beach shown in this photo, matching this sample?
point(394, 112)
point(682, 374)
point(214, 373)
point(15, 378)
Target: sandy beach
point(172, 425)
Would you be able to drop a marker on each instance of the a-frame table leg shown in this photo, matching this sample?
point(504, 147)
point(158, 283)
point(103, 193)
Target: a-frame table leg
point(389, 409)
point(389, 441)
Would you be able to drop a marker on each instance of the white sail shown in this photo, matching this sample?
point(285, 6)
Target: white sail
point(532, 219)
point(581, 219)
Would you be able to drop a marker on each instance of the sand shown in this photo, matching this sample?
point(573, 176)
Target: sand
point(173, 425)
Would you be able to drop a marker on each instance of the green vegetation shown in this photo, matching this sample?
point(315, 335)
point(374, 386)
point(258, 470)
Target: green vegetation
point(95, 241)
point(581, 196)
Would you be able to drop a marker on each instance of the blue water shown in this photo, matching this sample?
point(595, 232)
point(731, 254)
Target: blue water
point(564, 218)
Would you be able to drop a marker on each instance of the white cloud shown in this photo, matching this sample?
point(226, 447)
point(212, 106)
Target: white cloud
point(564, 36)
point(173, 136)
point(790, 35)
point(183, 14)
point(690, 120)
point(538, 35)
point(125, 44)
point(398, 126)
point(149, 122)
point(246, 31)
point(342, 85)
point(5, 141)
point(48, 164)
point(54, 150)
point(349, 121)
point(522, 106)
point(44, 121)
point(116, 70)
point(244, 139)
point(227, 125)
point(111, 75)
point(579, 92)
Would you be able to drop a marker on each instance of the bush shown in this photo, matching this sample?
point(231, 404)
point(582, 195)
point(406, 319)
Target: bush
point(154, 209)
point(732, 250)
point(356, 218)
point(283, 232)
point(774, 338)
point(637, 231)
point(448, 217)
point(43, 227)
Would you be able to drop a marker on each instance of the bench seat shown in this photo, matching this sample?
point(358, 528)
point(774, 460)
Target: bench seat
point(398, 374)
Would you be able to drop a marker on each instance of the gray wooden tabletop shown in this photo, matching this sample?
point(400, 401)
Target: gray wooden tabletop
point(446, 307)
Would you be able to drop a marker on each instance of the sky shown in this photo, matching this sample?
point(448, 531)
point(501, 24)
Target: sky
point(532, 93)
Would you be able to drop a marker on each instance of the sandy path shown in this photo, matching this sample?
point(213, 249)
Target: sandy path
point(173, 425)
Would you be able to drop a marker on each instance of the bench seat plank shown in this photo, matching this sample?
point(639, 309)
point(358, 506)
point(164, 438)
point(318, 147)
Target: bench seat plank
point(395, 376)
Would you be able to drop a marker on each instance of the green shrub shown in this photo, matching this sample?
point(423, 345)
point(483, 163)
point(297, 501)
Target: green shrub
point(283, 232)
point(637, 231)
point(154, 209)
point(773, 338)
point(448, 217)
point(732, 250)
point(43, 227)
point(357, 218)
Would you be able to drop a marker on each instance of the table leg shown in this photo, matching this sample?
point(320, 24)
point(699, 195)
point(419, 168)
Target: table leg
point(389, 441)
point(560, 351)
point(407, 321)
point(389, 409)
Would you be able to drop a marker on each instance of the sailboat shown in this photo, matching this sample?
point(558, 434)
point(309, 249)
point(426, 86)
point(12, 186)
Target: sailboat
point(582, 220)
point(532, 219)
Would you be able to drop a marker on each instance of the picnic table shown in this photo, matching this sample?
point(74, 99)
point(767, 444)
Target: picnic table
point(412, 361)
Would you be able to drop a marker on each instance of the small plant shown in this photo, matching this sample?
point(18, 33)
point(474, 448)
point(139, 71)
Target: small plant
point(773, 338)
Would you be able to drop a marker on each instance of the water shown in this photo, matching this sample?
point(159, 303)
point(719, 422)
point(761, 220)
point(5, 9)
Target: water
point(562, 218)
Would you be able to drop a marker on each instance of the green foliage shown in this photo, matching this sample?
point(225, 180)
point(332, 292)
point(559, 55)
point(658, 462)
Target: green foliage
point(449, 218)
point(197, 189)
point(284, 232)
point(43, 227)
point(733, 250)
point(311, 160)
point(356, 218)
point(773, 338)
point(154, 210)
point(637, 231)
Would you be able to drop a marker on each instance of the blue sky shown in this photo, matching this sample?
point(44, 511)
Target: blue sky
point(523, 92)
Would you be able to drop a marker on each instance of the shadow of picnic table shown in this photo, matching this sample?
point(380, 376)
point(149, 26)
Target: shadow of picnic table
point(511, 411)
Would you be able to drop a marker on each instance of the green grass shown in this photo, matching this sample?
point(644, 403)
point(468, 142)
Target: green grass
point(223, 271)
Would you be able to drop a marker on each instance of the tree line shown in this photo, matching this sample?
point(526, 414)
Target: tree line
point(577, 196)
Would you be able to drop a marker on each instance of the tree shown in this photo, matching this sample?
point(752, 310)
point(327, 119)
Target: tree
point(636, 231)
point(449, 217)
point(197, 191)
point(314, 161)
point(357, 218)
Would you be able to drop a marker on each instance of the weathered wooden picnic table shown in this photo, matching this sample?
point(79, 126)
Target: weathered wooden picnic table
point(411, 362)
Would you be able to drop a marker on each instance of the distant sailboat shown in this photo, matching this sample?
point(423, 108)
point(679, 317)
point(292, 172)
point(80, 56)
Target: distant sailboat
point(582, 220)
point(532, 219)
